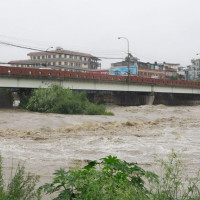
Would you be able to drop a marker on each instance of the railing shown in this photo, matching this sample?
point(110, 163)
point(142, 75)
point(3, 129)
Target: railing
point(60, 74)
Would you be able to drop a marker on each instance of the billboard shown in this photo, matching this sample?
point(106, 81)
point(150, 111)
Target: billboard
point(123, 70)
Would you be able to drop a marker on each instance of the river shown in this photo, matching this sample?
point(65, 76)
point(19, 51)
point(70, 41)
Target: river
point(46, 142)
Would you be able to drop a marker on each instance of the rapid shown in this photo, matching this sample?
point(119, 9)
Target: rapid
point(46, 142)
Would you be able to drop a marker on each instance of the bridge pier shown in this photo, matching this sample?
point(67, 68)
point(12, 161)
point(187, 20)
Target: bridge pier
point(150, 98)
point(6, 98)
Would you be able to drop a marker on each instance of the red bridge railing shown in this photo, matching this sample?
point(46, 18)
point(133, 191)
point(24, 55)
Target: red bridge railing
point(59, 74)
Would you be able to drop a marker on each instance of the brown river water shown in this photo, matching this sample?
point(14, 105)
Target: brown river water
point(46, 142)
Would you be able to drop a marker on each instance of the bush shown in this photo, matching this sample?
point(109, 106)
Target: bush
point(59, 100)
point(21, 186)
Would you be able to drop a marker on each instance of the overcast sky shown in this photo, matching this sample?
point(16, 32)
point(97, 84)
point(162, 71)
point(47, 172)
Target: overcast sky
point(158, 30)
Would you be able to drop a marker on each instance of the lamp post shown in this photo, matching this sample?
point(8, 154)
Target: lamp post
point(127, 57)
point(46, 55)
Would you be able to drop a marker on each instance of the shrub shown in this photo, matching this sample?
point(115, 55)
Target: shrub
point(59, 100)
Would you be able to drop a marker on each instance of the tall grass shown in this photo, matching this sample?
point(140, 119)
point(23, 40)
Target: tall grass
point(21, 185)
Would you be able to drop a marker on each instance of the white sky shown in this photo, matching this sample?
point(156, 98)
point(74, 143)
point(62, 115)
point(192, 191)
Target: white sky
point(158, 30)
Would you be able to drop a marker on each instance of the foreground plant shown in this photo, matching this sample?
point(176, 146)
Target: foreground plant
point(109, 179)
point(114, 179)
point(20, 187)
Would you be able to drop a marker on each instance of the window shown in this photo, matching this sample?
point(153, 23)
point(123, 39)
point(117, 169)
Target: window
point(49, 56)
point(54, 56)
point(71, 64)
point(38, 57)
point(60, 56)
point(59, 63)
point(34, 57)
point(43, 57)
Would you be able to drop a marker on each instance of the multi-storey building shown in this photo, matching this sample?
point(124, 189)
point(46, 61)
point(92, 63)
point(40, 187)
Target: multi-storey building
point(151, 70)
point(196, 62)
point(59, 58)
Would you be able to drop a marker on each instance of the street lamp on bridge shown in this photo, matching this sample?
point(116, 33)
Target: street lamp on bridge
point(128, 57)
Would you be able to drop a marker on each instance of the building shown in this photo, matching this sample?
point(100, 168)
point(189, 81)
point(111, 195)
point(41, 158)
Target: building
point(196, 62)
point(172, 65)
point(146, 70)
point(59, 58)
point(152, 70)
point(193, 71)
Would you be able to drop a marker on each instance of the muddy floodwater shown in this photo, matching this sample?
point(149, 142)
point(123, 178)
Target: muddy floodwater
point(46, 142)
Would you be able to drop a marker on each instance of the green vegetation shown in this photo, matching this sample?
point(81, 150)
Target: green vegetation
point(59, 100)
point(197, 80)
point(175, 77)
point(107, 179)
point(20, 187)
point(118, 180)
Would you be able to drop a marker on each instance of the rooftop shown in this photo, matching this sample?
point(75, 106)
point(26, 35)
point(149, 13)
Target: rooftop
point(60, 51)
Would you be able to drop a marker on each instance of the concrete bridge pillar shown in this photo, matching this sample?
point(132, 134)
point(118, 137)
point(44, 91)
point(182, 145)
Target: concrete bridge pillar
point(149, 98)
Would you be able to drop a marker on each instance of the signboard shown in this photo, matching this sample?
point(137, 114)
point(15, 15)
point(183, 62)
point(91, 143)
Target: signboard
point(123, 70)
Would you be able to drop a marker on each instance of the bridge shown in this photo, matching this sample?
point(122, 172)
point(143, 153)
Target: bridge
point(17, 77)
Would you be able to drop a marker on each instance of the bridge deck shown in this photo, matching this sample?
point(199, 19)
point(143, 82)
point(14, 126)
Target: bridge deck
point(35, 78)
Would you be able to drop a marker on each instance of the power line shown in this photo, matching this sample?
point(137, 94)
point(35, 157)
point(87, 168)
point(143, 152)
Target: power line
point(36, 49)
